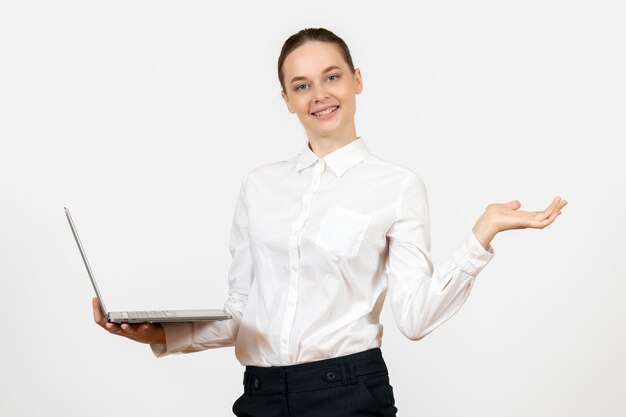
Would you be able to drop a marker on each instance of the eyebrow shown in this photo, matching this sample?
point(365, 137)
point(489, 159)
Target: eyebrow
point(332, 67)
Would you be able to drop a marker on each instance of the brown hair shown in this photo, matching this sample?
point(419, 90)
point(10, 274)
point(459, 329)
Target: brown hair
point(311, 34)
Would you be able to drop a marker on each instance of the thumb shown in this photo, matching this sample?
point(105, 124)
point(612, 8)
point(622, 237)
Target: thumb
point(514, 204)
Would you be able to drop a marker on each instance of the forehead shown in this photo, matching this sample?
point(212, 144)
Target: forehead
point(311, 59)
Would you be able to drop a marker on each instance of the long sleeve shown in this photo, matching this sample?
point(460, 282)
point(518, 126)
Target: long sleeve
point(196, 336)
point(422, 299)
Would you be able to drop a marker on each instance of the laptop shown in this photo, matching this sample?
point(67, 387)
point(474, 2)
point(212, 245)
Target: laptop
point(159, 316)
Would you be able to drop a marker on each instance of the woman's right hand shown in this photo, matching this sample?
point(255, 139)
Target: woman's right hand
point(141, 332)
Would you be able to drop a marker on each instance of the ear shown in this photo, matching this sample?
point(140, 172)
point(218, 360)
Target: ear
point(358, 81)
point(286, 99)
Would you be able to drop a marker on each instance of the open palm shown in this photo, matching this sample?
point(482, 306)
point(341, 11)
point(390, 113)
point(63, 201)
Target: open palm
point(507, 216)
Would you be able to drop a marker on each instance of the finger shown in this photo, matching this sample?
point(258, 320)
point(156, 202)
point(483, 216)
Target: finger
point(136, 328)
point(128, 328)
point(559, 207)
point(540, 224)
point(550, 209)
point(113, 328)
point(549, 220)
point(97, 312)
point(514, 204)
point(143, 327)
point(138, 332)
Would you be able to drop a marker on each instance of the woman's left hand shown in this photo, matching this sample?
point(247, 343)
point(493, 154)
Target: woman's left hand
point(499, 217)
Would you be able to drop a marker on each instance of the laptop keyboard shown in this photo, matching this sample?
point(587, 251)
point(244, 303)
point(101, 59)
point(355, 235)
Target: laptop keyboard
point(149, 314)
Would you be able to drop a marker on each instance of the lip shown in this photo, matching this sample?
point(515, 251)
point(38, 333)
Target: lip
point(326, 116)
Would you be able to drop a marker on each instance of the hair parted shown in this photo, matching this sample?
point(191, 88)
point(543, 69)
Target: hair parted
point(311, 34)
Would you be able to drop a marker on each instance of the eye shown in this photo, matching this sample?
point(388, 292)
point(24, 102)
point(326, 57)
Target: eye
point(298, 87)
point(333, 75)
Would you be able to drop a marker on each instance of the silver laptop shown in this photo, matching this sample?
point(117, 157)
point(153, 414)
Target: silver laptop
point(145, 316)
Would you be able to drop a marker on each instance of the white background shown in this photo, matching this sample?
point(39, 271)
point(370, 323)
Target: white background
point(143, 116)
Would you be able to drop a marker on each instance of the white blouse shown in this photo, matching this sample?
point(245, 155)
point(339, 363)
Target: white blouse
point(317, 244)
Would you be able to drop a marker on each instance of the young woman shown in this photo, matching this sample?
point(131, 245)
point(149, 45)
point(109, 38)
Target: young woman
point(318, 241)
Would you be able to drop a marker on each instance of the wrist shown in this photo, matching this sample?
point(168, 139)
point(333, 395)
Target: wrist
point(484, 231)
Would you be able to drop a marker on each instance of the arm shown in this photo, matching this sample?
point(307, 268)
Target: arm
point(168, 338)
point(421, 297)
point(196, 336)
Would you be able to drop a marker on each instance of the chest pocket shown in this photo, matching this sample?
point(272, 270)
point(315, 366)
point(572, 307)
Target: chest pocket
point(342, 231)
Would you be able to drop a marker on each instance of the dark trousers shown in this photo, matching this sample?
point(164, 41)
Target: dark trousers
point(346, 386)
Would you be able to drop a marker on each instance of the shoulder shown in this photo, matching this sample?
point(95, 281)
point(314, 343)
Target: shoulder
point(401, 174)
point(271, 170)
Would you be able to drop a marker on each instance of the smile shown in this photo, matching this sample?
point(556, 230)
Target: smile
point(326, 112)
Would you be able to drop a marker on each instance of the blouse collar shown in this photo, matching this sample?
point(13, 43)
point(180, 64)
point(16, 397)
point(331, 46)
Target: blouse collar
point(339, 161)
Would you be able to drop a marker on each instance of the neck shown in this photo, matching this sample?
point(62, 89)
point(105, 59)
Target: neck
point(323, 145)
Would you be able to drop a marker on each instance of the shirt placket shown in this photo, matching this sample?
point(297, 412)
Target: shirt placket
point(294, 259)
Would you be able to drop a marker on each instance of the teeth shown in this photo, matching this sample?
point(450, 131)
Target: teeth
point(328, 110)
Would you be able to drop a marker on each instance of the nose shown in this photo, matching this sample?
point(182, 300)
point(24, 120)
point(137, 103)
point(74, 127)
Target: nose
point(320, 93)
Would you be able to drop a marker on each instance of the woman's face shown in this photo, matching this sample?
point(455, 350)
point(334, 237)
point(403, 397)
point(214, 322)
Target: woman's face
point(317, 78)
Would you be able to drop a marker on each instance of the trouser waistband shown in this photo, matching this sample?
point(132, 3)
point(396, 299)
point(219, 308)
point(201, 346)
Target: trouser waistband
point(326, 373)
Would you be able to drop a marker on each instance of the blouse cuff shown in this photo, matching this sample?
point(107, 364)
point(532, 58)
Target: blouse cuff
point(177, 337)
point(471, 256)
